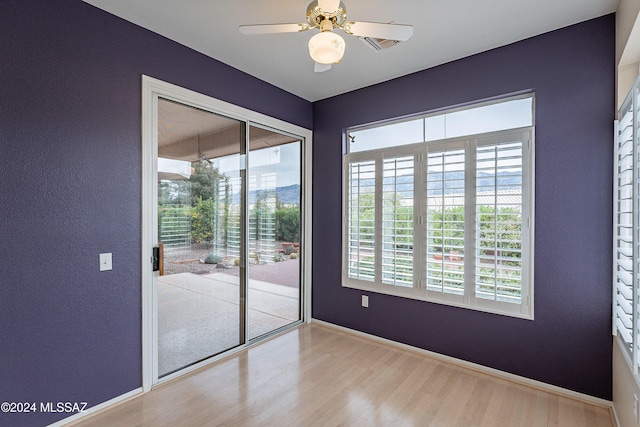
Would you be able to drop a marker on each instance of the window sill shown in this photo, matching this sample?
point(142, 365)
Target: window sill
point(411, 295)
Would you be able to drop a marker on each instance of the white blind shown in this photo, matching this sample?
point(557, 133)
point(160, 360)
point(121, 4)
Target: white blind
point(624, 241)
point(397, 221)
point(499, 222)
point(361, 220)
point(445, 221)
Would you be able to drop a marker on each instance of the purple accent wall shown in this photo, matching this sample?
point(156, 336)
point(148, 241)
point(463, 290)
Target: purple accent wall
point(70, 179)
point(572, 72)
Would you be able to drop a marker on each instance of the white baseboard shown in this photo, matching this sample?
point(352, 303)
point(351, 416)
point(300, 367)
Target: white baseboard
point(95, 409)
point(476, 367)
point(614, 416)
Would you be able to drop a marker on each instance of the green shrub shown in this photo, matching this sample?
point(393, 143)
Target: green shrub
point(213, 259)
point(278, 257)
point(288, 223)
point(202, 221)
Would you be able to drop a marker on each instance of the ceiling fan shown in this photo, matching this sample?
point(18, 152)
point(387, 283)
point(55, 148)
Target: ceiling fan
point(327, 47)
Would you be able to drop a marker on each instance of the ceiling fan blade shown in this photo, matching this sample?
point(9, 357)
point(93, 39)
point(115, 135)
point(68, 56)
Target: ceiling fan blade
point(250, 30)
point(329, 5)
point(321, 68)
point(379, 30)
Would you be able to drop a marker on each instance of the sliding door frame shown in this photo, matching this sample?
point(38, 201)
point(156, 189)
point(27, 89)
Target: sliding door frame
point(152, 89)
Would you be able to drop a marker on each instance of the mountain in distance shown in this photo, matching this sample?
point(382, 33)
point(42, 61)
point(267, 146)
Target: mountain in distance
point(287, 195)
point(290, 194)
point(404, 183)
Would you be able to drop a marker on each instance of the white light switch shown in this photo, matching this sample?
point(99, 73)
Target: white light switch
point(105, 262)
point(365, 301)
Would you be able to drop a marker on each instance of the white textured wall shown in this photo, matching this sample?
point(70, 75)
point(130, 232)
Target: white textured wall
point(624, 387)
point(627, 46)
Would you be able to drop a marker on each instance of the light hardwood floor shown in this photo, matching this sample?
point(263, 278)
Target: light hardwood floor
point(317, 376)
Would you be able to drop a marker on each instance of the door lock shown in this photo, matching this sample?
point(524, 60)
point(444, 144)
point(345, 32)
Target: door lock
point(155, 258)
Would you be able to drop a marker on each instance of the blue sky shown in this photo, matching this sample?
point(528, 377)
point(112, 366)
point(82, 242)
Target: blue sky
point(488, 118)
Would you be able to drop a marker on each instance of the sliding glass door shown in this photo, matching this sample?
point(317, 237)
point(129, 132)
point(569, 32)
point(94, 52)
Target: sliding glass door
point(229, 234)
point(200, 216)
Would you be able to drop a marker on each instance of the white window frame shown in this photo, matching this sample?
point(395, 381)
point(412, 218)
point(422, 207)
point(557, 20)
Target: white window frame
point(626, 230)
point(523, 309)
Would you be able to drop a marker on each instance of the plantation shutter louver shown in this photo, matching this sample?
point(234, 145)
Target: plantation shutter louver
point(498, 264)
point(361, 220)
point(397, 221)
point(624, 257)
point(445, 221)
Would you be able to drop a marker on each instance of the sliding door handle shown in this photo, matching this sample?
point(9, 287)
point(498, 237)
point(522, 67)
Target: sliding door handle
point(155, 258)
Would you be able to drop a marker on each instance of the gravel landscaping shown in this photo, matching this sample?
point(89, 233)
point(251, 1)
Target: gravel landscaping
point(285, 272)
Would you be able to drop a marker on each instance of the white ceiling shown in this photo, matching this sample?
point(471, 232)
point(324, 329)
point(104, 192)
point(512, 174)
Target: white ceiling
point(444, 30)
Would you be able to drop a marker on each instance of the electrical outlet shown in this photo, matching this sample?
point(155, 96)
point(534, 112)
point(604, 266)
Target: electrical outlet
point(365, 301)
point(635, 407)
point(105, 262)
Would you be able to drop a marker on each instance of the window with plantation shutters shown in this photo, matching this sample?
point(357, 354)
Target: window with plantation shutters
point(445, 228)
point(397, 221)
point(624, 230)
point(443, 220)
point(626, 250)
point(361, 224)
point(499, 222)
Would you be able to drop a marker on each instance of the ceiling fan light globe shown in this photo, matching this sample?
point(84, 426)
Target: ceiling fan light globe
point(326, 47)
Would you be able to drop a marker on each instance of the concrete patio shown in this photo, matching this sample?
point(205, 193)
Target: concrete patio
point(198, 315)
